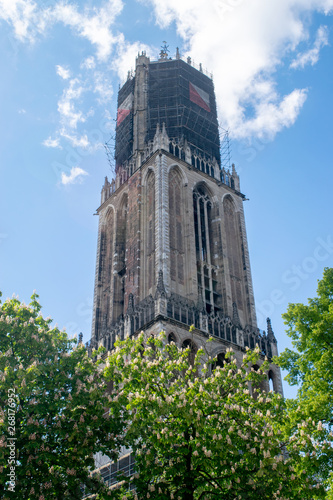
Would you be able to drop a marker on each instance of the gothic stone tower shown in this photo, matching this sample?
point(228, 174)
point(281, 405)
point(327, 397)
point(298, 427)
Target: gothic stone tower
point(172, 246)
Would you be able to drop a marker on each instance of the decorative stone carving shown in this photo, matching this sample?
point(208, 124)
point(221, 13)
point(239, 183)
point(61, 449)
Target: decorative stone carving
point(130, 307)
point(235, 316)
point(161, 139)
point(160, 289)
point(270, 333)
point(200, 305)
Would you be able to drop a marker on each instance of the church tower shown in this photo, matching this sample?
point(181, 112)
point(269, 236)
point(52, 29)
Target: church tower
point(172, 245)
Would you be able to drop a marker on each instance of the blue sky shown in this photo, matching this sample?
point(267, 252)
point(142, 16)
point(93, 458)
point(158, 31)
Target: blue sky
point(61, 66)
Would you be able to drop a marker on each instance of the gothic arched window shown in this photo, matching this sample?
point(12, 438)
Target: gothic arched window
point(234, 247)
point(171, 338)
point(220, 360)
point(203, 230)
point(272, 381)
point(120, 270)
point(193, 349)
point(105, 273)
point(202, 211)
point(151, 229)
point(108, 236)
point(176, 228)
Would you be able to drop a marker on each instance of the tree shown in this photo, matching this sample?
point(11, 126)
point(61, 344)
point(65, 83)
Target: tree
point(195, 428)
point(310, 364)
point(198, 433)
point(53, 409)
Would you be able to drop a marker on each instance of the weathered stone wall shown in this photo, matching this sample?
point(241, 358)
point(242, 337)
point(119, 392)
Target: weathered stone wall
point(213, 348)
point(133, 259)
point(226, 247)
point(148, 249)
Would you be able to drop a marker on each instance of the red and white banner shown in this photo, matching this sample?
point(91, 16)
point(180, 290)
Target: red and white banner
point(124, 109)
point(199, 97)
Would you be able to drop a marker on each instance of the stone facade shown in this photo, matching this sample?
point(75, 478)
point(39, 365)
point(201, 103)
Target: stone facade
point(172, 245)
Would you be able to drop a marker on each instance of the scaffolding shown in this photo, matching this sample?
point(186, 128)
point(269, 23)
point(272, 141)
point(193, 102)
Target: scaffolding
point(124, 132)
point(171, 84)
point(109, 147)
point(169, 102)
point(225, 149)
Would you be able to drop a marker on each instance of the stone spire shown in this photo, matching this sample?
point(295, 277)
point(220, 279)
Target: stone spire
point(160, 289)
point(161, 138)
point(130, 307)
point(235, 177)
point(104, 324)
point(270, 334)
point(235, 316)
point(157, 138)
point(200, 305)
point(105, 190)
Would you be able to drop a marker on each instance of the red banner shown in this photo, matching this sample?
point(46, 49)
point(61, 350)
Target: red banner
point(124, 109)
point(199, 97)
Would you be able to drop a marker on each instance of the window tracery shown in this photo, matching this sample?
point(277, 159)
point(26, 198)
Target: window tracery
point(207, 274)
point(151, 230)
point(176, 236)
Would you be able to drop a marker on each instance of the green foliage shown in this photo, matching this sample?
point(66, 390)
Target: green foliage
point(198, 433)
point(310, 364)
point(57, 395)
point(196, 430)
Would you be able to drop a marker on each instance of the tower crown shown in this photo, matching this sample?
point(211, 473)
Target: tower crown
point(173, 92)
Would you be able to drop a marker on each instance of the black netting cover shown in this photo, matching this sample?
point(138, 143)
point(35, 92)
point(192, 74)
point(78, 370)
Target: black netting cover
point(124, 130)
point(170, 101)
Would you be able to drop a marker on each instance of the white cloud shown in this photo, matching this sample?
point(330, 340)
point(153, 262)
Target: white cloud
point(75, 176)
point(73, 112)
point(76, 140)
point(63, 72)
point(70, 117)
point(88, 63)
point(29, 20)
point(271, 116)
point(52, 143)
point(72, 103)
point(94, 24)
point(312, 55)
point(102, 87)
point(24, 16)
point(70, 108)
point(244, 42)
point(251, 40)
point(126, 54)
point(22, 111)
